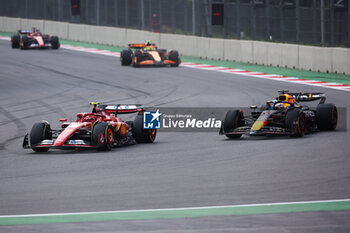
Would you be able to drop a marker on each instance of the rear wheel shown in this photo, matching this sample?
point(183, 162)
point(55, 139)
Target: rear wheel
point(125, 57)
point(174, 56)
point(296, 122)
point(103, 136)
point(40, 131)
point(55, 43)
point(233, 120)
point(326, 116)
point(162, 53)
point(140, 134)
point(15, 41)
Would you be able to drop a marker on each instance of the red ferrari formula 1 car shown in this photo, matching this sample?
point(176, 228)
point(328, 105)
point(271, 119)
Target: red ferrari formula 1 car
point(26, 39)
point(282, 116)
point(100, 129)
point(147, 54)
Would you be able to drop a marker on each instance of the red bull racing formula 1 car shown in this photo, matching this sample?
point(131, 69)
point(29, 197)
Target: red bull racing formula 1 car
point(100, 129)
point(26, 39)
point(283, 116)
point(147, 54)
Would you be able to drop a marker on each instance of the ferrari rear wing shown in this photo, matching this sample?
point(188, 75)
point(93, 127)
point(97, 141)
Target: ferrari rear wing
point(305, 97)
point(24, 31)
point(121, 108)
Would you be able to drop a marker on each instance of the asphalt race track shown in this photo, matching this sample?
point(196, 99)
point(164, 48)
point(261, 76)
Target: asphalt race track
point(179, 169)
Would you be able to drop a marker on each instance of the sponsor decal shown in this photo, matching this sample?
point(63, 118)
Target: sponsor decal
point(152, 120)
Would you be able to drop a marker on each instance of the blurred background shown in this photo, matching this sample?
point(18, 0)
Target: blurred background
point(309, 22)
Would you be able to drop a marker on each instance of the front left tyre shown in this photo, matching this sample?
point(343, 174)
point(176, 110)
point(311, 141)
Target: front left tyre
point(125, 57)
point(233, 120)
point(295, 121)
point(102, 136)
point(15, 39)
point(39, 132)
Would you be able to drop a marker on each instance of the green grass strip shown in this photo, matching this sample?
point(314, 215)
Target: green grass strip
point(178, 213)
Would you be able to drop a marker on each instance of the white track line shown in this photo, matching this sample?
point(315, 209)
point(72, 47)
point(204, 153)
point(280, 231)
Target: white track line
point(178, 209)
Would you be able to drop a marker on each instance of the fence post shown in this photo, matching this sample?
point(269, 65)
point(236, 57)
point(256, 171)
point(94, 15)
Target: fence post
point(314, 29)
point(322, 22)
point(267, 17)
point(26, 9)
point(348, 25)
point(97, 12)
point(238, 18)
point(116, 13)
point(126, 14)
point(253, 17)
point(297, 21)
point(172, 16)
point(193, 17)
point(142, 15)
point(332, 23)
point(160, 16)
point(281, 21)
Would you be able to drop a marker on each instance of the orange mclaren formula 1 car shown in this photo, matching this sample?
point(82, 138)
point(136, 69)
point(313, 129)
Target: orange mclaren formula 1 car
point(27, 39)
point(147, 54)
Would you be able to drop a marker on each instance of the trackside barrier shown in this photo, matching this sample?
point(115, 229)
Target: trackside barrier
point(333, 60)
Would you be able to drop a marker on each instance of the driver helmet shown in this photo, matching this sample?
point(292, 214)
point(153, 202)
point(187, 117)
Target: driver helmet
point(148, 48)
point(148, 42)
point(286, 98)
point(282, 106)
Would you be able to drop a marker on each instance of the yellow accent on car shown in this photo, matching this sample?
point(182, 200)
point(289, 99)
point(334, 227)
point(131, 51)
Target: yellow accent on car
point(258, 125)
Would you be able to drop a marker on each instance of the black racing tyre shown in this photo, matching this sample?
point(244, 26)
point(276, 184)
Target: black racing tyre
point(125, 57)
point(326, 117)
point(174, 56)
point(40, 131)
point(25, 42)
point(137, 58)
point(140, 134)
point(295, 121)
point(55, 43)
point(233, 120)
point(15, 41)
point(102, 136)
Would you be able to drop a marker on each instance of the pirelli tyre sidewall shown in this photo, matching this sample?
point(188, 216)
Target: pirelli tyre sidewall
point(140, 134)
point(40, 131)
point(55, 43)
point(15, 39)
point(233, 120)
point(326, 116)
point(126, 57)
point(102, 136)
point(174, 56)
point(295, 121)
